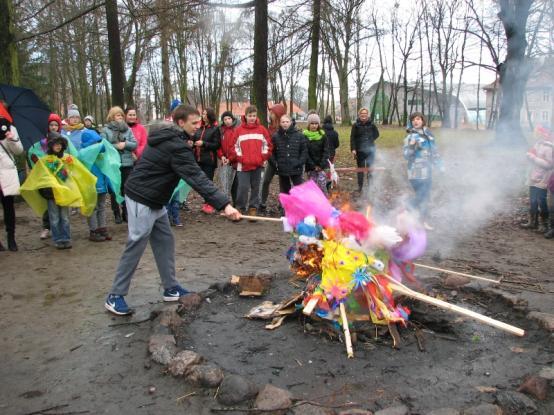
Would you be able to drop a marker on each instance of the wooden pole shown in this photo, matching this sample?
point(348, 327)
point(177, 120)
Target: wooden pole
point(454, 308)
point(309, 309)
point(457, 273)
point(259, 218)
point(347, 338)
point(262, 218)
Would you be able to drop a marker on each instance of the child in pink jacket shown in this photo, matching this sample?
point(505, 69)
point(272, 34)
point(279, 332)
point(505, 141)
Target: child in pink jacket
point(542, 165)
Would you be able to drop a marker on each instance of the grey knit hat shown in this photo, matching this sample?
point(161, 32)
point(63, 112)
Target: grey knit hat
point(90, 118)
point(73, 111)
point(314, 118)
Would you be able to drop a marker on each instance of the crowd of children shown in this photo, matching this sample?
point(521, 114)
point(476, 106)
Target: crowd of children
point(246, 155)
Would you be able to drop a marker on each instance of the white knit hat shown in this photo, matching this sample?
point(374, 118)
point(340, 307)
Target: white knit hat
point(90, 118)
point(313, 118)
point(73, 111)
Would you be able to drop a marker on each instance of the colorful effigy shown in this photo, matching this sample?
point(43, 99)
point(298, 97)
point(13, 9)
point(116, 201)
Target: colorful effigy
point(351, 265)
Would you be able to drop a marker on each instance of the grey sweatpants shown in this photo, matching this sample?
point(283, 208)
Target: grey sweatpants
point(248, 181)
point(146, 224)
point(98, 218)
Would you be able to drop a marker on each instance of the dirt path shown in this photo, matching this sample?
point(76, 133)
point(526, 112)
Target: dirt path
point(58, 346)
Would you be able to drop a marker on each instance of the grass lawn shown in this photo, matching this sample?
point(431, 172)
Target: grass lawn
point(393, 138)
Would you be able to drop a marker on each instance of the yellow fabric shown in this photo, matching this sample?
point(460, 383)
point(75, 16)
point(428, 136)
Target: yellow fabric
point(338, 265)
point(77, 190)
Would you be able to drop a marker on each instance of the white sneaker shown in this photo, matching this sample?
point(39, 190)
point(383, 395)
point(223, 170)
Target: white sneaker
point(45, 234)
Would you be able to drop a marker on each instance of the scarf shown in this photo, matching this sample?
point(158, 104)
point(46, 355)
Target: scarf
point(118, 126)
point(314, 135)
point(78, 126)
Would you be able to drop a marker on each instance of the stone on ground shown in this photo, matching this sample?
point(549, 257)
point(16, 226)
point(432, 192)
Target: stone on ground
point(273, 399)
point(183, 361)
point(515, 403)
point(162, 348)
point(236, 389)
point(207, 375)
point(483, 409)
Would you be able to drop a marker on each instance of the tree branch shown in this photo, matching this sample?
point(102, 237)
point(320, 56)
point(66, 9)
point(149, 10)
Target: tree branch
point(62, 24)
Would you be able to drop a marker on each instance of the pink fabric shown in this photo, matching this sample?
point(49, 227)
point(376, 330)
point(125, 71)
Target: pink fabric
point(141, 136)
point(354, 223)
point(305, 200)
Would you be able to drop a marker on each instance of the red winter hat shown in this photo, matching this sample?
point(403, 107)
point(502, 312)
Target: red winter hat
point(279, 110)
point(5, 114)
point(57, 119)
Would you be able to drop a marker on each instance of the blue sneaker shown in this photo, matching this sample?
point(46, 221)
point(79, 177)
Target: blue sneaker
point(173, 294)
point(117, 305)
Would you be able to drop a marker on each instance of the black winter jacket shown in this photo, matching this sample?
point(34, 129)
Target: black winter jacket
point(166, 159)
point(318, 154)
point(290, 151)
point(363, 136)
point(207, 153)
point(332, 139)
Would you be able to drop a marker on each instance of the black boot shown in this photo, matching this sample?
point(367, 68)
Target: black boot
point(543, 226)
point(533, 222)
point(117, 215)
point(12, 245)
point(550, 232)
point(124, 212)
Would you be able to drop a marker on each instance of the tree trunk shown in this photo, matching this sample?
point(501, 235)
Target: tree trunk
point(514, 71)
point(343, 97)
point(314, 58)
point(114, 48)
point(166, 76)
point(260, 60)
point(9, 63)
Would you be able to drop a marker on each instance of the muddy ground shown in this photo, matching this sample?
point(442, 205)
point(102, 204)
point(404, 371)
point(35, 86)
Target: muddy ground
point(59, 348)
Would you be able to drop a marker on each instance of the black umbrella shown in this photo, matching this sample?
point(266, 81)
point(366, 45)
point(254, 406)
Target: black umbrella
point(29, 113)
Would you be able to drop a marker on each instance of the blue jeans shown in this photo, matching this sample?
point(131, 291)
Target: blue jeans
point(173, 211)
point(537, 199)
point(59, 222)
point(422, 189)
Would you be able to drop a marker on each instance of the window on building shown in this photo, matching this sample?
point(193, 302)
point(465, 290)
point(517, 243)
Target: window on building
point(545, 115)
point(546, 95)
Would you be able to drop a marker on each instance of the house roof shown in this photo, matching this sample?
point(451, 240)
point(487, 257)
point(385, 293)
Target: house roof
point(237, 108)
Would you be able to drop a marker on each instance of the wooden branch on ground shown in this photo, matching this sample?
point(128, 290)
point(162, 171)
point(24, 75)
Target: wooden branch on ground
point(398, 287)
point(346, 329)
point(457, 273)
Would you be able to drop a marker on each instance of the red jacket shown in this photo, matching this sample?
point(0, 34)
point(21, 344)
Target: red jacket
point(251, 146)
point(227, 134)
point(141, 136)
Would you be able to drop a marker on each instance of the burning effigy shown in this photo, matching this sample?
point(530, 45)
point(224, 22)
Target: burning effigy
point(351, 266)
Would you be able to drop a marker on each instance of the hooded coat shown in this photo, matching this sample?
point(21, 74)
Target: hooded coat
point(119, 132)
point(362, 137)
point(166, 159)
point(251, 146)
point(332, 139)
point(9, 179)
point(542, 163)
point(290, 151)
point(318, 150)
point(210, 135)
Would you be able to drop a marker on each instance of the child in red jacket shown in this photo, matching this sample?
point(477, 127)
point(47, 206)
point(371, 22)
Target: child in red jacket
point(250, 151)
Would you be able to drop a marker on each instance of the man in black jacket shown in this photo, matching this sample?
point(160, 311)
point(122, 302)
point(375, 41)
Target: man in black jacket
point(362, 144)
point(167, 158)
